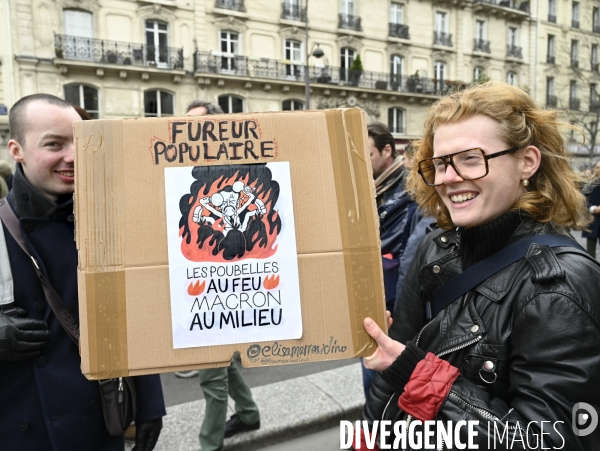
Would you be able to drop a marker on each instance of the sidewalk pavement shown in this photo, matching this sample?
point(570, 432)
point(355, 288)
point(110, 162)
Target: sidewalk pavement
point(288, 409)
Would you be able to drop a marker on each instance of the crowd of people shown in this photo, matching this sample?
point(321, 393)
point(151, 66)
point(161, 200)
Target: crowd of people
point(491, 172)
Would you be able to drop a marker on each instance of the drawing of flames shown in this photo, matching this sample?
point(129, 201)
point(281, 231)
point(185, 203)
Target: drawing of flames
point(197, 288)
point(229, 214)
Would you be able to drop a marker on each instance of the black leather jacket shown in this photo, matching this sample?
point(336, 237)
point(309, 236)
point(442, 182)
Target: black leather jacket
point(526, 342)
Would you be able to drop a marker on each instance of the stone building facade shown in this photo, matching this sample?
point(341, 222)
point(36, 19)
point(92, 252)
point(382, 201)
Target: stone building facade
point(133, 58)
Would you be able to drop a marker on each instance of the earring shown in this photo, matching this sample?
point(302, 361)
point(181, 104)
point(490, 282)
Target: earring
point(525, 182)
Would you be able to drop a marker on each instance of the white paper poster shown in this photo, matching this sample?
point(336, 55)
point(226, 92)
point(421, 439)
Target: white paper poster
point(233, 265)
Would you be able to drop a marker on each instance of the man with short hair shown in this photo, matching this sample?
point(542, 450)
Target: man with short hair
point(388, 170)
point(47, 403)
point(218, 383)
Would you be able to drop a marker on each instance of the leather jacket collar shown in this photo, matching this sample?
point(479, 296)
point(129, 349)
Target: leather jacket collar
point(29, 202)
point(445, 259)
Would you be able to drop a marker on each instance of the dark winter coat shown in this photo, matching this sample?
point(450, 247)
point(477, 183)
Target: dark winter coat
point(395, 210)
point(47, 403)
point(538, 324)
point(592, 195)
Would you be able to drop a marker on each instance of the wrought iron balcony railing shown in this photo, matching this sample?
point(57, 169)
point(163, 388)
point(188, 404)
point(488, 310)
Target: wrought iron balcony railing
point(552, 18)
point(481, 46)
point(595, 66)
point(234, 5)
point(114, 52)
point(512, 4)
point(264, 68)
point(575, 23)
point(594, 106)
point(291, 11)
point(551, 59)
point(574, 63)
point(596, 28)
point(574, 104)
point(514, 51)
point(398, 30)
point(349, 22)
point(442, 38)
point(551, 101)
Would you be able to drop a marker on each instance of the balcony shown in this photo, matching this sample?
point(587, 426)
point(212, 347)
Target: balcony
point(442, 38)
point(114, 52)
point(515, 9)
point(551, 101)
point(481, 46)
point(398, 30)
point(284, 71)
point(575, 23)
point(290, 11)
point(551, 59)
point(513, 51)
point(574, 63)
point(551, 18)
point(349, 22)
point(574, 104)
point(233, 5)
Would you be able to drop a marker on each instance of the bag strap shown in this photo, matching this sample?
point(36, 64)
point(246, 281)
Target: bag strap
point(64, 315)
point(476, 274)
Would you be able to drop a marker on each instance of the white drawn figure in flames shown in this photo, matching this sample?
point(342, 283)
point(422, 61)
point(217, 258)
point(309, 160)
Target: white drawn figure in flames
point(228, 201)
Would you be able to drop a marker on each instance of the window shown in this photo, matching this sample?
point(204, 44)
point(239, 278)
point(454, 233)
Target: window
point(346, 59)
point(575, 15)
point(396, 120)
point(229, 49)
point(550, 96)
point(513, 37)
point(550, 86)
point(480, 30)
point(158, 103)
point(83, 96)
point(439, 74)
point(594, 54)
point(292, 105)
point(156, 40)
point(511, 78)
point(348, 7)
point(293, 53)
point(574, 53)
point(396, 63)
point(552, 11)
point(551, 49)
point(439, 70)
point(396, 13)
point(231, 104)
point(78, 23)
point(478, 74)
point(596, 19)
point(593, 97)
point(441, 22)
point(573, 100)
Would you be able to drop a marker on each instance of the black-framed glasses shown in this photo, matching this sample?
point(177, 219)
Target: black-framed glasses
point(470, 164)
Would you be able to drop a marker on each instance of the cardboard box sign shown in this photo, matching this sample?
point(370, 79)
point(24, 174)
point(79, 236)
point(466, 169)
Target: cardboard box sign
point(202, 236)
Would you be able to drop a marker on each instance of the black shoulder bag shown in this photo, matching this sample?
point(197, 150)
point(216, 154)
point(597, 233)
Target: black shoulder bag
point(476, 274)
point(118, 395)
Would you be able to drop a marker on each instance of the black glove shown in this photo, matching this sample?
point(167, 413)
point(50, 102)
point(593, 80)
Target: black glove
point(146, 434)
point(22, 338)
